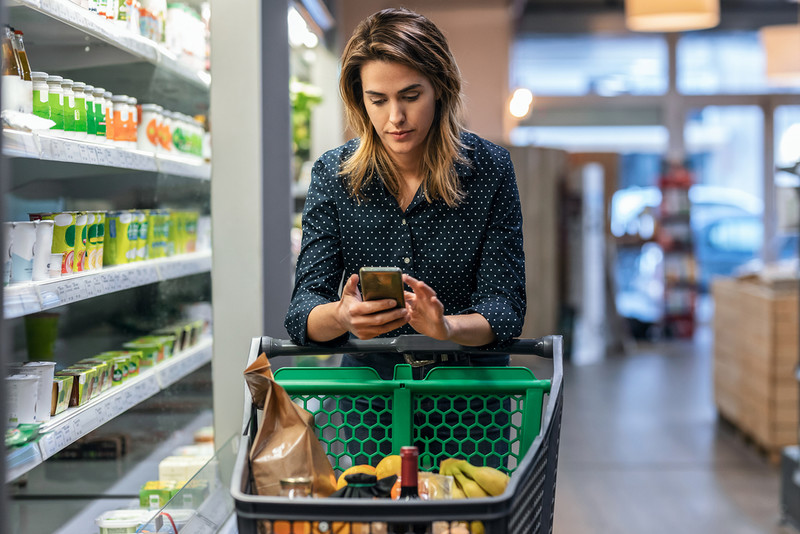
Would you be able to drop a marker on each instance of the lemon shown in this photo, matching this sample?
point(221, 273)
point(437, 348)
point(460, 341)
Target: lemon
point(389, 466)
point(368, 469)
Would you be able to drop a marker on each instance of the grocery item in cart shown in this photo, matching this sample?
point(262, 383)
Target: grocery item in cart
point(286, 445)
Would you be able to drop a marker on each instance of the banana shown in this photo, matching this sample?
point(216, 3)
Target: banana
point(491, 480)
point(471, 488)
point(476, 527)
point(444, 465)
point(456, 492)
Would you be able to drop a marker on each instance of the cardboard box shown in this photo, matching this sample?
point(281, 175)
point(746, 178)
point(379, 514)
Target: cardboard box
point(755, 358)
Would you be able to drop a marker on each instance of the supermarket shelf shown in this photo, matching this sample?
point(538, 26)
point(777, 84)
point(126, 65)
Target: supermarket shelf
point(111, 33)
point(78, 421)
point(50, 148)
point(31, 297)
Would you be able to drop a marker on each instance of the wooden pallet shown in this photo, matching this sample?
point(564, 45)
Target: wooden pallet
point(770, 453)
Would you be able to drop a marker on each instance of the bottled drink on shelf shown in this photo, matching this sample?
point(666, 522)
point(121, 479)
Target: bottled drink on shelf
point(19, 48)
point(14, 87)
point(409, 469)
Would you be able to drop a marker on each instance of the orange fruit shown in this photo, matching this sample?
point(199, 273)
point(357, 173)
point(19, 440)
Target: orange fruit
point(389, 466)
point(368, 469)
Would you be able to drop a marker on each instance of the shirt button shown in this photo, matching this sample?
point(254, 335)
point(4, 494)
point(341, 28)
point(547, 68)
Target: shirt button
point(403, 221)
point(407, 260)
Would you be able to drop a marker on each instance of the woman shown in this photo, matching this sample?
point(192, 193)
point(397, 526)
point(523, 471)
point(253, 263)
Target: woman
point(414, 190)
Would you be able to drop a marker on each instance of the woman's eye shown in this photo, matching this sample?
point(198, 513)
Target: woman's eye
point(377, 102)
point(412, 97)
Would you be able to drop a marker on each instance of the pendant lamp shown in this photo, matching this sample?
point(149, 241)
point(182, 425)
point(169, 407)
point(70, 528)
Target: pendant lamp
point(671, 15)
point(782, 50)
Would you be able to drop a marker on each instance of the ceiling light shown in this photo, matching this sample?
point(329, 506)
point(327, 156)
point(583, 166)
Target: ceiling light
point(782, 50)
point(671, 15)
point(520, 104)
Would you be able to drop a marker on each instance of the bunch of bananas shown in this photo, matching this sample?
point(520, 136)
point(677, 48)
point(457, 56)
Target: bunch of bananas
point(471, 481)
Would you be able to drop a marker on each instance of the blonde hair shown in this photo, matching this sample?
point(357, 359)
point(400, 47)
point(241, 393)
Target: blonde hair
point(408, 38)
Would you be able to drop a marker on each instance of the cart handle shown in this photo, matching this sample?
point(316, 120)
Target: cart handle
point(414, 344)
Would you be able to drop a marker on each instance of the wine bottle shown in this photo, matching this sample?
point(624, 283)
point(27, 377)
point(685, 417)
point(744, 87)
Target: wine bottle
point(409, 490)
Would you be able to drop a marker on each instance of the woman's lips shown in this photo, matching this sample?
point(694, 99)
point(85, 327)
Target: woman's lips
point(400, 135)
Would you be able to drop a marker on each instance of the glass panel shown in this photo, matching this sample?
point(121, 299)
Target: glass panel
point(581, 64)
point(714, 63)
point(726, 147)
point(787, 144)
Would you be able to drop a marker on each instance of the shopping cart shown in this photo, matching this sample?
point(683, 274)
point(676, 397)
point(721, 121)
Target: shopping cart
point(528, 444)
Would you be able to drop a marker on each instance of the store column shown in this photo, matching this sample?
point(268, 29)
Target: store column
point(250, 190)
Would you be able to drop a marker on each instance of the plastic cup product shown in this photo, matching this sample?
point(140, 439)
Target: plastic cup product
point(121, 521)
point(22, 240)
point(45, 371)
point(56, 100)
point(149, 123)
point(91, 241)
point(117, 240)
point(41, 332)
point(41, 95)
point(8, 232)
point(42, 250)
point(21, 393)
point(79, 257)
point(63, 238)
point(69, 108)
point(54, 265)
point(100, 219)
point(141, 235)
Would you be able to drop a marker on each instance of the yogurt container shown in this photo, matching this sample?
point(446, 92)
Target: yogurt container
point(45, 371)
point(42, 247)
point(21, 391)
point(63, 238)
point(117, 243)
point(148, 130)
point(69, 107)
point(121, 521)
point(22, 239)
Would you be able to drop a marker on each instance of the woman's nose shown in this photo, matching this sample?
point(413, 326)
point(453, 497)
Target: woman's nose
point(397, 114)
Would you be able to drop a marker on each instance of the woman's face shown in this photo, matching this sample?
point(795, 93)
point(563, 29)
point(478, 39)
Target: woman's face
point(401, 104)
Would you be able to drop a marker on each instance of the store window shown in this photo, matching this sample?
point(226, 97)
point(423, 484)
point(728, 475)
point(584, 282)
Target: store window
point(722, 63)
point(573, 65)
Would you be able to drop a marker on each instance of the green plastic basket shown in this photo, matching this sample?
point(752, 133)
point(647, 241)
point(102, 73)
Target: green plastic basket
point(444, 409)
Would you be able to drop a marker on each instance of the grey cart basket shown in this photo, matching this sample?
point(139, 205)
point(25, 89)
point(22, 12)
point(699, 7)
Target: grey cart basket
point(530, 435)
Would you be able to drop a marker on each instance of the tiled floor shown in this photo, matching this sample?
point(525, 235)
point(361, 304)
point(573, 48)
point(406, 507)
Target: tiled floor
point(643, 452)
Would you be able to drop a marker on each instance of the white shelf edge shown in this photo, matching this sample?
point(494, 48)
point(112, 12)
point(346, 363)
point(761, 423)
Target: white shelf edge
point(31, 297)
point(36, 145)
point(76, 422)
point(122, 39)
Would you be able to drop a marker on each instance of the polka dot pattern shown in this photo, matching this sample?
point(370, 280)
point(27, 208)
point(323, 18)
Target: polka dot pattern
point(471, 255)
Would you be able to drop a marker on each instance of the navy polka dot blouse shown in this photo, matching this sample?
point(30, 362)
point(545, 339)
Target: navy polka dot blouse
point(471, 255)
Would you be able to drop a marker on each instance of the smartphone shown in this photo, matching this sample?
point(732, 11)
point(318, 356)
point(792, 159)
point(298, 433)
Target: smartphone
point(382, 283)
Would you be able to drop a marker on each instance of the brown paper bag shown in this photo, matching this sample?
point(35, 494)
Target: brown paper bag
point(286, 444)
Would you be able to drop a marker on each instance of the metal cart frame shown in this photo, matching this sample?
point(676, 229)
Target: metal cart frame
point(525, 507)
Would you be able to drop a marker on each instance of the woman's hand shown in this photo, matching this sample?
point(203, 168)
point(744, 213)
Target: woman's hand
point(425, 311)
point(367, 319)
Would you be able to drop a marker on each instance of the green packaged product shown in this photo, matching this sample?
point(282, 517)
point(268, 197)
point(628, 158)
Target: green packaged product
point(178, 334)
point(104, 371)
point(152, 351)
point(119, 238)
point(81, 385)
point(155, 494)
point(62, 389)
point(95, 378)
point(22, 434)
point(119, 366)
point(63, 238)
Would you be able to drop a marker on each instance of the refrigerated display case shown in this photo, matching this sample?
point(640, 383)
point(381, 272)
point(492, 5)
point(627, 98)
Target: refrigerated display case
point(96, 456)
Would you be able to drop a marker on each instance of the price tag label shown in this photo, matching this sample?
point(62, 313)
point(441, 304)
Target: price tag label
point(102, 155)
point(20, 301)
point(72, 152)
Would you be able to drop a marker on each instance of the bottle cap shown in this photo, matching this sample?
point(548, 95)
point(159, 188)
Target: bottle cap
point(39, 76)
point(53, 78)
